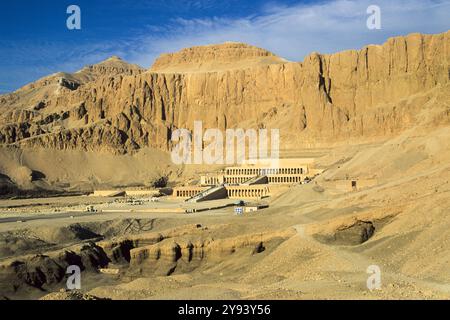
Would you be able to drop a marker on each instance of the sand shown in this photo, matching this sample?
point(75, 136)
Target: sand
point(311, 243)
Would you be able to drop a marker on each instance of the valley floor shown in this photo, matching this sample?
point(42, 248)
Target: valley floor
point(313, 242)
point(307, 245)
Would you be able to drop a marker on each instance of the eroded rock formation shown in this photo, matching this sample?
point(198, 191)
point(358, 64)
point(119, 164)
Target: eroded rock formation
point(372, 93)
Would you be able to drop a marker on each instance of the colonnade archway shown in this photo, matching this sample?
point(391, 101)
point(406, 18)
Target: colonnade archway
point(248, 192)
point(212, 181)
point(264, 171)
point(186, 193)
point(285, 179)
point(236, 180)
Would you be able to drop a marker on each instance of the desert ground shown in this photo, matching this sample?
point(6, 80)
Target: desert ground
point(311, 243)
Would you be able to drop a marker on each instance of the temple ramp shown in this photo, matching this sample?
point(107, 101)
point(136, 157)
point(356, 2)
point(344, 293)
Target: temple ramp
point(256, 180)
point(214, 193)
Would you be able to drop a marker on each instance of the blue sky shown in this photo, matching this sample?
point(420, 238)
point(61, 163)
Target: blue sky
point(34, 39)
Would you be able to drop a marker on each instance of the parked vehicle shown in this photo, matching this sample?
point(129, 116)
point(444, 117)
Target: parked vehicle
point(91, 209)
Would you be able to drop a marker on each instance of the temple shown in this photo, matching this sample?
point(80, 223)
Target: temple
point(255, 180)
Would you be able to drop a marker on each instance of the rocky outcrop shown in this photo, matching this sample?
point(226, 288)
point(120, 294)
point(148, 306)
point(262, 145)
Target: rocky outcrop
point(43, 271)
point(226, 56)
point(174, 252)
point(70, 295)
point(372, 93)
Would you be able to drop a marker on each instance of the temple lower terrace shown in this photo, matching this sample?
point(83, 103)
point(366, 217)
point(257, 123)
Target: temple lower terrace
point(250, 181)
point(188, 192)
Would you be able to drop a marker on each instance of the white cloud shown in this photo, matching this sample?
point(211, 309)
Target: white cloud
point(291, 32)
point(295, 31)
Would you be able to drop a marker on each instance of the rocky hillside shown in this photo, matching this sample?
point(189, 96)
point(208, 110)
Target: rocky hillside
point(362, 95)
point(62, 127)
point(40, 109)
point(215, 58)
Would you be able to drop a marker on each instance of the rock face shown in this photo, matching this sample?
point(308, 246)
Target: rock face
point(227, 56)
point(363, 95)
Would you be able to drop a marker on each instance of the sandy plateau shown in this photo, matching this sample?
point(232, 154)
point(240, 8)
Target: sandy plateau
point(380, 114)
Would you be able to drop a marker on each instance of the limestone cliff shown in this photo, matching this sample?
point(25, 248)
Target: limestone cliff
point(372, 93)
point(226, 56)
